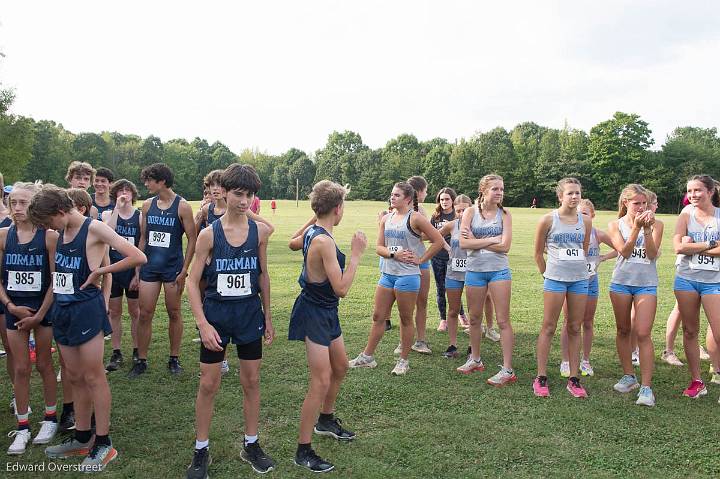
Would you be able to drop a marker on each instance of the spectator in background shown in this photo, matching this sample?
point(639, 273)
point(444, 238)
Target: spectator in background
point(273, 205)
point(255, 205)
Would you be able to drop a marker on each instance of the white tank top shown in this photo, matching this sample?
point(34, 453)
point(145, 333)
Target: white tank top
point(565, 255)
point(484, 260)
point(638, 269)
point(699, 267)
point(457, 264)
point(398, 237)
point(593, 256)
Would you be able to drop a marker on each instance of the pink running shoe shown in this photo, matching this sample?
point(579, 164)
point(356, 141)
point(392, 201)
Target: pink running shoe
point(540, 387)
point(575, 388)
point(695, 390)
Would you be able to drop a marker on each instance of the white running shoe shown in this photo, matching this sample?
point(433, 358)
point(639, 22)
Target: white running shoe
point(363, 361)
point(645, 397)
point(59, 376)
point(565, 369)
point(704, 356)
point(224, 367)
point(626, 384)
point(671, 358)
point(586, 368)
point(20, 443)
point(471, 365)
point(398, 350)
point(503, 377)
point(442, 327)
point(401, 367)
point(636, 357)
point(421, 347)
point(492, 334)
point(47, 432)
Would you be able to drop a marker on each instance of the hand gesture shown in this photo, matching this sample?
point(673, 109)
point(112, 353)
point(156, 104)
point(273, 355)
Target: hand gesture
point(134, 283)
point(210, 338)
point(269, 332)
point(21, 312)
point(92, 279)
point(358, 243)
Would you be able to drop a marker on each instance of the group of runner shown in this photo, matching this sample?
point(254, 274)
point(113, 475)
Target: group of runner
point(64, 276)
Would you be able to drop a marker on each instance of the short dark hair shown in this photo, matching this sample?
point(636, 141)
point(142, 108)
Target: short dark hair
point(240, 177)
point(158, 172)
point(106, 173)
point(49, 201)
point(119, 185)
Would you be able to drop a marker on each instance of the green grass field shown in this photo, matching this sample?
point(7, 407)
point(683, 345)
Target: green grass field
point(433, 422)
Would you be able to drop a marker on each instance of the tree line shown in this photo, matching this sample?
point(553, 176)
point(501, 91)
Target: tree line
point(530, 157)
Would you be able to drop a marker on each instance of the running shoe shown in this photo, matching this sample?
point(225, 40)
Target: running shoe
point(715, 379)
point(99, 456)
point(174, 366)
point(401, 367)
point(671, 358)
point(70, 447)
point(59, 375)
point(492, 334)
point(138, 369)
point(200, 463)
point(540, 387)
point(635, 357)
point(388, 325)
point(312, 461)
point(626, 384)
point(254, 455)
point(67, 420)
point(108, 337)
point(695, 389)
point(575, 388)
point(645, 397)
point(224, 367)
point(451, 352)
point(19, 444)
point(442, 327)
point(471, 365)
point(421, 347)
point(363, 361)
point(704, 356)
point(503, 377)
point(47, 432)
point(116, 359)
point(586, 368)
point(463, 321)
point(334, 429)
point(565, 369)
point(398, 350)
point(2, 353)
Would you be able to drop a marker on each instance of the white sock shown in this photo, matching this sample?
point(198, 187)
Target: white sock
point(201, 444)
point(250, 439)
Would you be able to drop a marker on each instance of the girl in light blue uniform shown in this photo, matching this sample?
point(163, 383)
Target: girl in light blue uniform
point(420, 185)
point(566, 236)
point(399, 243)
point(636, 236)
point(486, 234)
point(697, 281)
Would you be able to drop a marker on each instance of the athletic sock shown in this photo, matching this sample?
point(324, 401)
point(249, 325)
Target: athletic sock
point(250, 439)
point(201, 444)
point(51, 413)
point(68, 407)
point(117, 351)
point(326, 417)
point(135, 351)
point(83, 436)
point(302, 448)
point(173, 358)
point(103, 440)
point(23, 422)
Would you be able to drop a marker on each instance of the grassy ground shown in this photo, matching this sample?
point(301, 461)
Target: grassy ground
point(434, 421)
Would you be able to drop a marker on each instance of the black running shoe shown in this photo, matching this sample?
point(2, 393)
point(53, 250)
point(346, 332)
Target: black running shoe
point(174, 366)
point(115, 361)
point(388, 325)
point(136, 358)
point(451, 352)
point(312, 461)
point(138, 368)
point(253, 454)
point(67, 421)
point(333, 428)
point(199, 466)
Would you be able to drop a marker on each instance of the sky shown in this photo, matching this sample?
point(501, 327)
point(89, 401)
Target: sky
point(272, 74)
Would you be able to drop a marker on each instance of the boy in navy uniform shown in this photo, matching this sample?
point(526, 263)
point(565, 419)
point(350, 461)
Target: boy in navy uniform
point(166, 217)
point(101, 198)
point(125, 219)
point(81, 175)
point(314, 319)
point(236, 309)
point(80, 319)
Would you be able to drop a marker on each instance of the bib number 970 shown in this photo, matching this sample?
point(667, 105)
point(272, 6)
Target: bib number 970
point(63, 283)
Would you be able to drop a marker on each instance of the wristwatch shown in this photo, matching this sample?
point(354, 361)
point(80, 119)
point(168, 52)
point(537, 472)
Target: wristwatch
point(712, 244)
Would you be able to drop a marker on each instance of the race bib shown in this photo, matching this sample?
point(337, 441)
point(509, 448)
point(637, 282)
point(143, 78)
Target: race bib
point(592, 268)
point(63, 283)
point(440, 225)
point(234, 284)
point(571, 254)
point(459, 265)
point(24, 280)
point(704, 263)
point(639, 256)
point(129, 239)
point(395, 249)
point(159, 239)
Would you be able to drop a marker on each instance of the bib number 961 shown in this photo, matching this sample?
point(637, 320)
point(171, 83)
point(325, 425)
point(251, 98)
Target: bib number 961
point(234, 285)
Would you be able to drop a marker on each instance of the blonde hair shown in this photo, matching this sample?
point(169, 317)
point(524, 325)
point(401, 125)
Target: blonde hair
point(483, 185)
point(586, 202)
point(33, 188)
point(560, 188)
point(628, 193)
point(463, 199)
point(652, 197)
point(325, 196)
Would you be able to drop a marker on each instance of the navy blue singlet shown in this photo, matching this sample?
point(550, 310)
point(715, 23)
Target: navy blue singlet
point(102, 209)
point(233, 272)
point(72, 258)
point(163, 238)
point(130, 230)
point(5, 222)
point(26, 271)
point(321, 294)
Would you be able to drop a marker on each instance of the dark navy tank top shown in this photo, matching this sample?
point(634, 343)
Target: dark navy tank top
point(26, 270)
point(129, 229)
point(163, 237)
point(321, 294)
point(211, 216)
point(72, 268)
point(5, 222)
point(233, 273)
point(102, 209)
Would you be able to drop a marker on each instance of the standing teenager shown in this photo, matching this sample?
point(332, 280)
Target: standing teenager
point(235, 308)
point(166, 218)
point(444, 213)
point(324, 280)
point(5, 221)
point(565, 235)
point(421, 346)
point(25, 250)
point(400, 246)
point(79, 317)
point(486, 234)
point(101, 200)
point(81, 175)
